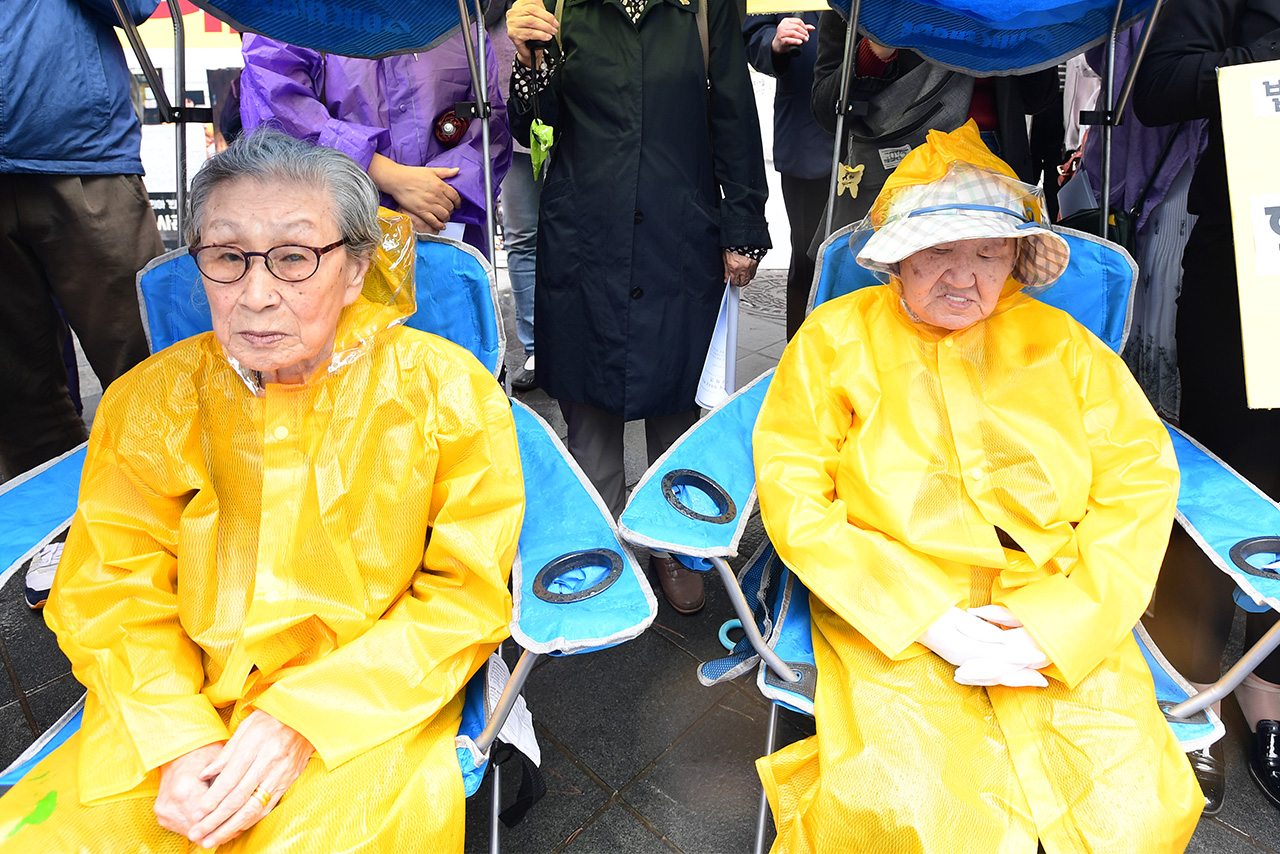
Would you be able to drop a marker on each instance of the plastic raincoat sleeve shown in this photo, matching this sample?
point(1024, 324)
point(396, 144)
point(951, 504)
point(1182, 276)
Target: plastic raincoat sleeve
point(419, 655)
point(883, 588)
point(114, 606)
point(278, 87)
point(1081, 615)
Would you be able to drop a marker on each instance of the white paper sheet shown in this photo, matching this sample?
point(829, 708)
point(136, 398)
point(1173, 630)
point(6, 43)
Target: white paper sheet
point(715, 385)
point(518, 728)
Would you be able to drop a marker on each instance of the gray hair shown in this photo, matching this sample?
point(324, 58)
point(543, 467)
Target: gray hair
point(268, 155)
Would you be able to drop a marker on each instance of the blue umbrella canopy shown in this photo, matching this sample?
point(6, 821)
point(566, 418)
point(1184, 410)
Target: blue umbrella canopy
point(993, 37)
point(365, 28)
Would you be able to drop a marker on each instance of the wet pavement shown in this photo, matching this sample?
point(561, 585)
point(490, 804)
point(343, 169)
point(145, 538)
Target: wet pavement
point(638, 756)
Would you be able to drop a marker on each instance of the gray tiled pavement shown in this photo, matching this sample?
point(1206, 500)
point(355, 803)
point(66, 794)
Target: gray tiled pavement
point(638, 756)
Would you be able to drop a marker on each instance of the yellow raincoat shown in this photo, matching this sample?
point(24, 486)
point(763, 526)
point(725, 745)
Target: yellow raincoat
point(334, 553)
point(888, 453)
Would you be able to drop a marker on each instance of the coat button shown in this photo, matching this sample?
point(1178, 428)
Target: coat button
point(281, 432)
point(636, 293)
point(403, 107)
point(639, 217)
point(949, 343)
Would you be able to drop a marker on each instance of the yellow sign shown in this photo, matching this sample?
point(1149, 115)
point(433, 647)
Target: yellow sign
point(1250, 97)
point(781, 7)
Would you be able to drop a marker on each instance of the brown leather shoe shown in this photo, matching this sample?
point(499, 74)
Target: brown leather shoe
point(682, 587)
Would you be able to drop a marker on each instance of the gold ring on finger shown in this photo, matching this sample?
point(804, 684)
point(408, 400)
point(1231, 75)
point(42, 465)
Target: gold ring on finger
point(263, 796)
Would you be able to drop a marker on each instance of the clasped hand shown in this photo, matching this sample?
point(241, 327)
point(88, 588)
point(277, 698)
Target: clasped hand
point(988, 646)
point(208, 795)
point(422, 192)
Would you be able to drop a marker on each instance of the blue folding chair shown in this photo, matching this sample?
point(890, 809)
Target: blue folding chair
point(695, 502)
point(575, 585)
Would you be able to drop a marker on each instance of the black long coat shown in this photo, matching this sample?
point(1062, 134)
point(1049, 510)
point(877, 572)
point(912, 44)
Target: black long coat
point(652, 173)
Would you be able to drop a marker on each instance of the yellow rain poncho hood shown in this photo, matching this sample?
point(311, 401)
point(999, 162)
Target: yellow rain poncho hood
point(904, 470)
point(334, 553)
point(953, 188)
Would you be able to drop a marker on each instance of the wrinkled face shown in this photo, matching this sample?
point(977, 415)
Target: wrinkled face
point(283, 329)
point(954, 285)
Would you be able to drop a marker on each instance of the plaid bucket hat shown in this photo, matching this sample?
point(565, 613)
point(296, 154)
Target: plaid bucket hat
point(953, 188)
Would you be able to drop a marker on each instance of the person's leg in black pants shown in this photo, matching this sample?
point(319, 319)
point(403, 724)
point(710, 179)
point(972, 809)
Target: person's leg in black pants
point(806, 199)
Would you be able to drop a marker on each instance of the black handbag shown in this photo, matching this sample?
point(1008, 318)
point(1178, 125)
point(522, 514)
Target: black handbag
point(1122, 227)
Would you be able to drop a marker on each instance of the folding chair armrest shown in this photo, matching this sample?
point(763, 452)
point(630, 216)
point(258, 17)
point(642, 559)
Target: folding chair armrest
point(37, 505)
point(1228, 517)
point(576, 584)
point(697, 497)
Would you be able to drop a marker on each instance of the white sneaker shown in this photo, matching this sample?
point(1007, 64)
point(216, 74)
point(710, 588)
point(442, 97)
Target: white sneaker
point(40, 574)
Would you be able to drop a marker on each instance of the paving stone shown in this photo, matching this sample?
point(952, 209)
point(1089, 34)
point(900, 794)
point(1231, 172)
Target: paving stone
point(572, 798)
point(31, 645)
point(50, 702)
point(617, 830)
point(751, 365)
point(15, 734)
point(618, 710)
point(1212, 837)
point(704, 794)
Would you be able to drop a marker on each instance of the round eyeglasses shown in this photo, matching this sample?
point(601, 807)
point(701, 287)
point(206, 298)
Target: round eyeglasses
point(288, 263)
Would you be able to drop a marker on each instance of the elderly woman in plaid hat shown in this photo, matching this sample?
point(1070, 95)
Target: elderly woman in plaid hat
point(978, 496)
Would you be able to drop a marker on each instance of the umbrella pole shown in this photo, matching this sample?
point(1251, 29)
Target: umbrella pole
point(1136, 62)
point(1109, 120)
point(180, 101)
point(490, 203)
point(480, 85)
point(846, 72)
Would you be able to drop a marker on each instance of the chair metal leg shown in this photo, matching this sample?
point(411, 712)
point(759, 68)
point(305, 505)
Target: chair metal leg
point(743, 609)
point(494, 808)
point(1233, 677)
point(762, 819)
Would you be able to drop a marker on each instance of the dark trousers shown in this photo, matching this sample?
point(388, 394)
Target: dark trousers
point(81, 241)
point(595, 440)
point(1193, 607)
point(806, 199)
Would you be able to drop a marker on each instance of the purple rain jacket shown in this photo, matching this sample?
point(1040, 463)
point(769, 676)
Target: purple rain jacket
point(388, 106)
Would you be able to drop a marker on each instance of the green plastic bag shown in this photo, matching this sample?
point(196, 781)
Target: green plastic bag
point(541, 138)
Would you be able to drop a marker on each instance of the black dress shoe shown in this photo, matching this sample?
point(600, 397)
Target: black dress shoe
point(524, 379)
point(1211, 772)
point(1264, 760)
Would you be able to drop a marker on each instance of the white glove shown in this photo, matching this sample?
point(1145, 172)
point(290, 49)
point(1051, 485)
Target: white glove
point(998, 614)
point(1022, 647)
point(958, 637)
point(990, 671)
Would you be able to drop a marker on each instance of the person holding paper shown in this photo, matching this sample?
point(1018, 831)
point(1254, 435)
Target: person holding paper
point(1193, 610)
point(977, 494)
point(652, 200)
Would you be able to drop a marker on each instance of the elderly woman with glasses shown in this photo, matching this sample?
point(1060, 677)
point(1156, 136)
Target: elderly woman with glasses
point(978, 497)
point(291, 549)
